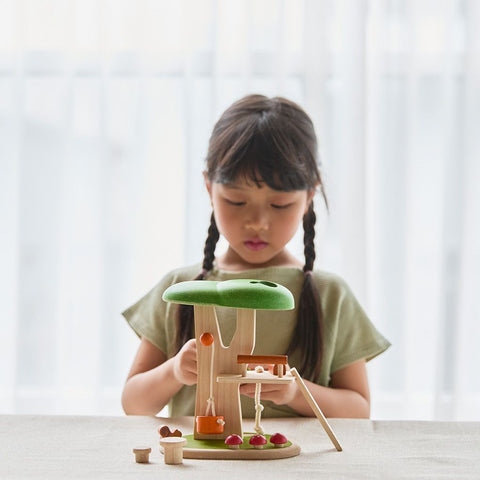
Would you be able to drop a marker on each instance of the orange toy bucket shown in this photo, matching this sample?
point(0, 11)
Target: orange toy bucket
point(210, 424)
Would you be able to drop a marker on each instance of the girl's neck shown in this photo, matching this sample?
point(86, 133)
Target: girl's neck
point(230, 261)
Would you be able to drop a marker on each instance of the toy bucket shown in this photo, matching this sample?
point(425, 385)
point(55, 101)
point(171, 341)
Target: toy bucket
point(210, 424)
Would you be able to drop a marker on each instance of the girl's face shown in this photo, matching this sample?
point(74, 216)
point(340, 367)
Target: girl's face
point(257, 222)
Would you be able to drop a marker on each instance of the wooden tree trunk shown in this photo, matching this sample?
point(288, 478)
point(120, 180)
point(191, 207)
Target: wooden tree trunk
point(226, 396)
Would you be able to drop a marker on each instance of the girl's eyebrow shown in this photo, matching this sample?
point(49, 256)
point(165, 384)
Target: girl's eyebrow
point(240, 187)
point(236, 186)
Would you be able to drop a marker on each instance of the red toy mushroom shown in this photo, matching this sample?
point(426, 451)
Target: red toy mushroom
point(233, 441)
point(257, 441)
point(278, 439)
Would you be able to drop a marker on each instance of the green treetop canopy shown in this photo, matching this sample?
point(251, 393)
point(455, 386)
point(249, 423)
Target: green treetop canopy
point(239, 293)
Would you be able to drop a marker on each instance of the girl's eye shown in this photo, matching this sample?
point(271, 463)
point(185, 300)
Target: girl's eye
point(235, 204)
point(281, 207)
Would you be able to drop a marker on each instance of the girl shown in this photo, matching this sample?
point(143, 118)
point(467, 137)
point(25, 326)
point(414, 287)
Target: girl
point(261, 176)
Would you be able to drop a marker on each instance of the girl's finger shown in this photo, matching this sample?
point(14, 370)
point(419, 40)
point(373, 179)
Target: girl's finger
point(247, 389)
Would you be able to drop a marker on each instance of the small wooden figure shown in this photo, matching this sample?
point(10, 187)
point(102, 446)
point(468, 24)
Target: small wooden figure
point(173, 449)
point(165, 432)
point(142, 454)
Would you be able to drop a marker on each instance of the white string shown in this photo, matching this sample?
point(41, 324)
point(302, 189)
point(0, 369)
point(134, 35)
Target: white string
point(258, 409)
point(211, 400)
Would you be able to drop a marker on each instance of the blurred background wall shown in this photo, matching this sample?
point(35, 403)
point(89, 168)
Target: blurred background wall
point(106, 107)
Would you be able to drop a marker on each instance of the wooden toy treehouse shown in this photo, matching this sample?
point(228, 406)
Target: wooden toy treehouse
point(222, 369)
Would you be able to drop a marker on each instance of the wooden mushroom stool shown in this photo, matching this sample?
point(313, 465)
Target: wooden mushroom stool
point(142, 454)
point(173, 449)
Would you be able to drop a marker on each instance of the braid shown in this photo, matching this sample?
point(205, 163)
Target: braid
point(309, 220)
point(210, 244)
point(308, 337)
point(185, 323)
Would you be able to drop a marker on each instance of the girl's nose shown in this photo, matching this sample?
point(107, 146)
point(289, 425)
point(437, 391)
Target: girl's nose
point(257, 219)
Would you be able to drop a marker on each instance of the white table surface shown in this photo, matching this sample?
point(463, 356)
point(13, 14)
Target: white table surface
point(101, 447)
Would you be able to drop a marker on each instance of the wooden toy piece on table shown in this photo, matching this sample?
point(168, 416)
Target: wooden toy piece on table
point(164, 431)
point(142, 454)
point(316, 409)
point(173, 449)
point(221, 370)
point(217, 408)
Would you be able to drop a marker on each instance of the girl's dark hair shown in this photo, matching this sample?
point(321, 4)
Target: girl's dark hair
point(270, 140)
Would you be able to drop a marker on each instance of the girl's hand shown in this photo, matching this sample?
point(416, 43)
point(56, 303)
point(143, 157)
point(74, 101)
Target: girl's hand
point(185, 363)
point(278, 393)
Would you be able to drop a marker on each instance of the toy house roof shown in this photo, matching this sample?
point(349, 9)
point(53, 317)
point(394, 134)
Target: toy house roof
point(238, 293)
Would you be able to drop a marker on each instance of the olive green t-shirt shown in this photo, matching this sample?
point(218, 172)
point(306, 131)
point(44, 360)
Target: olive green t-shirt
point(348, 333)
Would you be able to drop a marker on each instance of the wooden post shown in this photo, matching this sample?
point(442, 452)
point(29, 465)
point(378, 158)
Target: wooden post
point(226, 395)
point(316, 409)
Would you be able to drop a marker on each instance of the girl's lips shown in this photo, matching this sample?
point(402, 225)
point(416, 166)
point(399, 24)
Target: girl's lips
point(255, 245)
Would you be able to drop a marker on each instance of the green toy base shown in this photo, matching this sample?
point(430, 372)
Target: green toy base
point(216, 449)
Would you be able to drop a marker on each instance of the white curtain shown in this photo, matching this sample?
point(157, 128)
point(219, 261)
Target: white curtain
point(106, 107)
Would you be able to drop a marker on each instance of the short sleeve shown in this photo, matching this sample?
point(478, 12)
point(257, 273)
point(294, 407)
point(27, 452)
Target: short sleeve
point(351, 336)
point(152, 318)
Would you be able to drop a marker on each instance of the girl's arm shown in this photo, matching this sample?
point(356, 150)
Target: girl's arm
point(347, 396)
point(153, 380)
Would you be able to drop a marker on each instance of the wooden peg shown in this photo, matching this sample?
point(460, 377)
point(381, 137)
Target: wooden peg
point(142, 454)
point(173, 449)
point(316, 409)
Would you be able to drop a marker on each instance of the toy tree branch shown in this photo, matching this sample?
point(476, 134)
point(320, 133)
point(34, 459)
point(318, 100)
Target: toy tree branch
point(316, 409)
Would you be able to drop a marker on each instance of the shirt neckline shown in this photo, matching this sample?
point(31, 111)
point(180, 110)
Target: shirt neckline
point(253, 271)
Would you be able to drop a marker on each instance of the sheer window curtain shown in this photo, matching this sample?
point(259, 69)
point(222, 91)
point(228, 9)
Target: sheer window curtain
point(105, 113)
